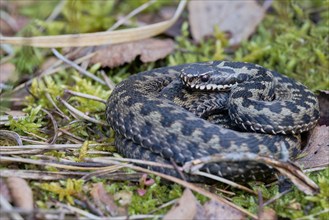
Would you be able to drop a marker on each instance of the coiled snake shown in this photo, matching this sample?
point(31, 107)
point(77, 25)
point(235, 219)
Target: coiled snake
point(189, 111)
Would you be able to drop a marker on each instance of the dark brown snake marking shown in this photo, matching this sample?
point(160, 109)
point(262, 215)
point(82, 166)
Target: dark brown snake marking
point(180, 114)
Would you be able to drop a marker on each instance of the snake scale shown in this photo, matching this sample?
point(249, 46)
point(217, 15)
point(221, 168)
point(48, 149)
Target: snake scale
point(181, 113)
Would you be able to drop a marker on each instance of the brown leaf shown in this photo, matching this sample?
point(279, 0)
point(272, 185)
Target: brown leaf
point(4, 190)
point(21, 193)
point(323, 98)
point(217, 211)
point(185, 208)
point(104, 201)
point(12, 24)
point(7, 72)
point(317, 150)
point(149, 50)
point(239, 18)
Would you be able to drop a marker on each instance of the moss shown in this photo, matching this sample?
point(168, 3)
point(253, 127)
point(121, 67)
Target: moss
point(65, 190)
point(29, 124)
point(292, 39)
point(287, 41)
point(294, 204)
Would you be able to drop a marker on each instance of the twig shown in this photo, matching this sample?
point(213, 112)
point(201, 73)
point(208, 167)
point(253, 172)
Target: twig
point(53, 164)
point(131, 14)
point(276, 197)
point(286, 168)
point(79, 211)
point(187, 185)
point(7, 207)
point(50, 99)
point(77, 67)
point(312, 216)
point(110, 160)
point(26, 139)
point(51, 70)
point(79, 113)
point(226, 181)
point(9, 20)
point(260, 204)
point(36, 136)
point(325, 166)
point(107, 80)
point(55, 125)
point(84, 95)
point(71, 135)
point(56, 11)
point(172, 202)
point(18, 152)
point(40, 175)
point(48, 146)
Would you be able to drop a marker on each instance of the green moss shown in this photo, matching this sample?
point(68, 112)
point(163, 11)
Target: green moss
point(29, 124)
point(294, 204)
point(65, 190)
point(289, 40)
point(156, 195)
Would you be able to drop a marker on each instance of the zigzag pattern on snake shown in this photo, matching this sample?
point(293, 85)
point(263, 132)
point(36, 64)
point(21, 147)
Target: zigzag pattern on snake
point(189, 111)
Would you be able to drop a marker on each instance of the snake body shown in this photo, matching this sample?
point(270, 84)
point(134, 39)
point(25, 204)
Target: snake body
point(189, 111)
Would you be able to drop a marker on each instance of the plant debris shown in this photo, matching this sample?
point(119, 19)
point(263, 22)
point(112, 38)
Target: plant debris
point(238, 18)
point(317, 151)
point(185, 208)
point(188, 207)
point(70, 162)
point(323, 98)
point(104, 201)
point(148, 50)
point(21, 193)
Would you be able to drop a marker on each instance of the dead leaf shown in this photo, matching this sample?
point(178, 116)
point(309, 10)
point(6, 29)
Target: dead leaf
point(317, 150)
point(7, 72)
point(239, 18)
point(185, 208)
point(323, 98)
point(12, 24)
point(4, 191)
point(214, 210)
point(268, 214)
point(149, 50)
point(21, 193)
point(104, 201)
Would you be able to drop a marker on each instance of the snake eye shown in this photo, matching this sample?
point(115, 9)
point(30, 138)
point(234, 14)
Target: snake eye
point(205, 78)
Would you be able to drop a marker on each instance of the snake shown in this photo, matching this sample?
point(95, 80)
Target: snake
point(181, 113)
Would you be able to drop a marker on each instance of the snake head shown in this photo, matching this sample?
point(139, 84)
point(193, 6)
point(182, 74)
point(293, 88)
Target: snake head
point(211, 76)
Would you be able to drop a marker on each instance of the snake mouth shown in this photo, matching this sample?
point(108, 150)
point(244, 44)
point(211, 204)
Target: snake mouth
point(199, 83)
point(212, 87)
